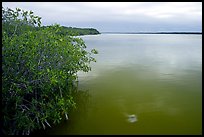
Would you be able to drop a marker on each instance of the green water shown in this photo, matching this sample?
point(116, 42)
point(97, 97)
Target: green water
point(158, 78)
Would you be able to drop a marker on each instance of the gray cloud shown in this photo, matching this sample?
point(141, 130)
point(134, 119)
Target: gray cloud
point(119, 16)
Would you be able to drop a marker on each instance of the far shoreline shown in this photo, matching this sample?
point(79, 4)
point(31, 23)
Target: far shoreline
point(199, 33)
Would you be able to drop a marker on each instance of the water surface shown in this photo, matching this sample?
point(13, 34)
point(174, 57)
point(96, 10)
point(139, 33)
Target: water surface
point(156, 77)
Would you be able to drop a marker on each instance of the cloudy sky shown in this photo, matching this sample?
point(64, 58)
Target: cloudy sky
point(118, 16)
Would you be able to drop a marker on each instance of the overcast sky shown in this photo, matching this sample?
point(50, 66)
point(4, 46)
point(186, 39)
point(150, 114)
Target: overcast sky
point(118, 16)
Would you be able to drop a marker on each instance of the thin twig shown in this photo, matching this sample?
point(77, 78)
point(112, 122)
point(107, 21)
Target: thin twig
point(60, 91)
point(66, 115)
point(14, 30)
point(47, 123)
point(43, 125)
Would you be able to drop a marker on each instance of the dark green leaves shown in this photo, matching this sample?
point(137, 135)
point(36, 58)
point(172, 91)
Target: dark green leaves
point(40, 66)
point(94, 51)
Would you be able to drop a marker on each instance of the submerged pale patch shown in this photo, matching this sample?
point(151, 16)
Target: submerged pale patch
point(132, 118)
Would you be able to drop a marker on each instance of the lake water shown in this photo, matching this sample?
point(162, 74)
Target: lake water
point(155, 77)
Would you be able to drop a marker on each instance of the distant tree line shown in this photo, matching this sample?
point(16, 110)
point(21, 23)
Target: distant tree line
point(76, 31)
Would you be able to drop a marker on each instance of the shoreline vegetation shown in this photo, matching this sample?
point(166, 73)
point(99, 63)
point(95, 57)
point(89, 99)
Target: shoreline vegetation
point(151, 33)
point(39, 71)
point(74, 31)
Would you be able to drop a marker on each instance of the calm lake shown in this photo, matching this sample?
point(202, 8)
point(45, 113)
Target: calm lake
point(157, 78)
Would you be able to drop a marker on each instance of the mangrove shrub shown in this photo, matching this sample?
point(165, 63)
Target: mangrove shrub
point(39, 72)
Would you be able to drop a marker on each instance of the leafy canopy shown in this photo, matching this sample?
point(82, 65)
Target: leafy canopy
point(39, 75)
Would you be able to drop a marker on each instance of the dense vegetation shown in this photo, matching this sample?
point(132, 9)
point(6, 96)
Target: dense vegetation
point(39, 72)
point(77, 31)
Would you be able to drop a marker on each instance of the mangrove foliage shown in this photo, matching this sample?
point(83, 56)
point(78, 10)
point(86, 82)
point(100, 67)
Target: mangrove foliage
point(39, 72)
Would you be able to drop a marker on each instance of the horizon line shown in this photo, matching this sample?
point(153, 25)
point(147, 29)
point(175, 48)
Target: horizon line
point(154, 32)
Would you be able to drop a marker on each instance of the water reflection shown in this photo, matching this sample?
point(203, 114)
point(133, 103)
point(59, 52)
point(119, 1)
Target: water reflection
point(156, 79)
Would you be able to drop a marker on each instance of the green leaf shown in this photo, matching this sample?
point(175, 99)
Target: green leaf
point(94, 51)
point(48, 70)
point(31, 12)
